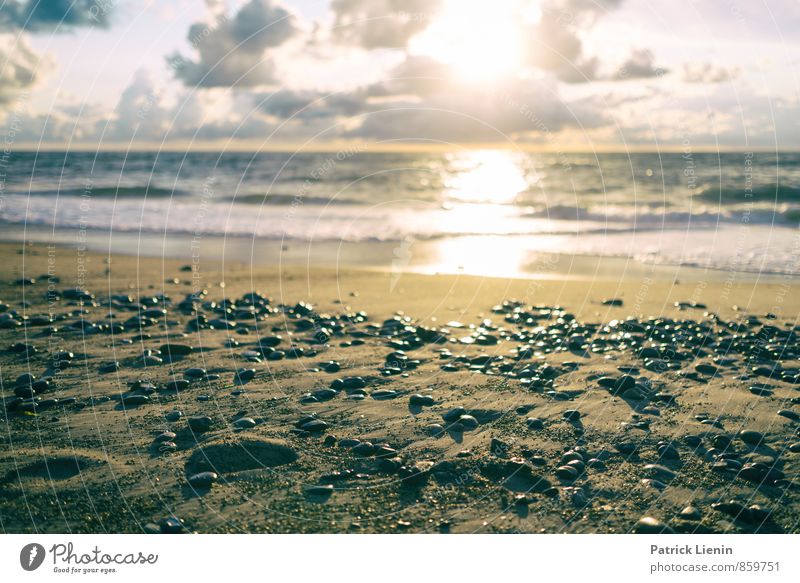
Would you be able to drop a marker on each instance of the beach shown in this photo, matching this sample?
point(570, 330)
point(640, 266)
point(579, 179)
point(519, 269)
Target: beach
point(214, 396)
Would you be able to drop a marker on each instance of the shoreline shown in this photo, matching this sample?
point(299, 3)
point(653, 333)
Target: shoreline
point(458, 256)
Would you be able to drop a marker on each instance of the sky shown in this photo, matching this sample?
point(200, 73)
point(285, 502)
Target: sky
point(260, 74)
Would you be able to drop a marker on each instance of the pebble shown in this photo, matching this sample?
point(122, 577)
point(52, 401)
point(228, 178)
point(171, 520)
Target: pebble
point(650, 525)
point(690, 513)
point(534, 423)
point(420, 400)
point(244, 375)
point(244, 423)
point(200, 424)
point(468, 422)
point(751, 437)
point(453, 414)
point(572, 415)
point(173, 416)
point(203, 479)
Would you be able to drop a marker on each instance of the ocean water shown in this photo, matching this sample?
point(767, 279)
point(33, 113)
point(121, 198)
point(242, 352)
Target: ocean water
point(729, 211)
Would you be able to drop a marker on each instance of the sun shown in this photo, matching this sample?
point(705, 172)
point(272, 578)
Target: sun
point(481, 41)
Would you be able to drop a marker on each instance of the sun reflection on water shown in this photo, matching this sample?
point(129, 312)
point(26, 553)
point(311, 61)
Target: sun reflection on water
point(494, 176)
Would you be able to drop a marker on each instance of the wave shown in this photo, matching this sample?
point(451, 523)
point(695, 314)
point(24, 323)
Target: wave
point(774, 193)
point(145, 191)
point(290, 199)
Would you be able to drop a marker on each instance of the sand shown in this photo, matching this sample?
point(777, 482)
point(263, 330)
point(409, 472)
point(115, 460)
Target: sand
point(93, 465)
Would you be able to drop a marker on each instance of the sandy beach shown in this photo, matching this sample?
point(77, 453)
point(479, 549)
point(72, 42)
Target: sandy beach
point(258, 399)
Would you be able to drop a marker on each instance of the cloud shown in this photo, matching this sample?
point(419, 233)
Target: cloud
point(284, 104)
point(20, 67)
point(374, 24)
point(417, 75)
point(48, 15)
point(554, 43)
point(708, 73)
point(638, 66)
point(234, 51)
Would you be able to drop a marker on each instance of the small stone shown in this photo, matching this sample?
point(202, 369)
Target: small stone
point(244, 423)
point(690, 513)
point(650, 525)
point(172, 525)
point(203, 479)
point(572, 415)
point(534, 423)
point(165, 436)
point(468, 422)
point(453, 414)
point(751, 437)
point(244, 375)
point(420, 400)
point(173, 416)
point(200, 424)
point(659, 472)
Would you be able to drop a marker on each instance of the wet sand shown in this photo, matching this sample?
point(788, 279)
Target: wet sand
point(392, 402)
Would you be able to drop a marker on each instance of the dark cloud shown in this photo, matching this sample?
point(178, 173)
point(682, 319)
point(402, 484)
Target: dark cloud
point(234, 51)
point(286, 104)
point(47, 15)
point(376, 24)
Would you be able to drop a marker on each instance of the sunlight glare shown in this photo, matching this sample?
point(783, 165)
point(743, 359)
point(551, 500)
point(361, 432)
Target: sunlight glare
point(481, 41)
point(486, 176)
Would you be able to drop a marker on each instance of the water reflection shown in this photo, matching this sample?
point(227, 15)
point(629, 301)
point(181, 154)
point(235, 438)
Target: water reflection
point(495, 176)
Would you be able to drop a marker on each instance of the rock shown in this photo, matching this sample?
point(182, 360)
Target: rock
point(567, 473)
point(172, 350)
point(200, 424)
point(363, 449)
point(134, 400)
point(690, 513)
point(572, 415)
point(164, 436)
point(751, 437)
point(617, 385)
point(172, 525)
point(203, 479)
point(659, 472)
point(498, 447)
point(435, 429)
point(173, 416)
point(195, 373)
point(244, 423)
point(314, 426)
point(453, 414)
point(534, 423)
point(384, 394)
point(420, 400)
point(109, 367)
point(176, 385)
point(650, 525)
point(613, 302)
point(792, 415)
point(244, 375)
point(468, 422)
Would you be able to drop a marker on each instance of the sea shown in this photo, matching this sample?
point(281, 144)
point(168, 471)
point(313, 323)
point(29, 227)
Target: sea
point(476, 211)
